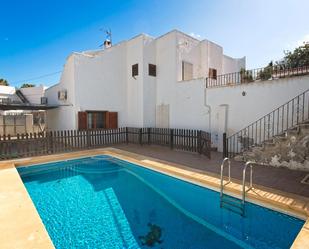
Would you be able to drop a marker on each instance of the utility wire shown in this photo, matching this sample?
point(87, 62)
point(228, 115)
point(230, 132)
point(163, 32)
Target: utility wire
point(36, 78)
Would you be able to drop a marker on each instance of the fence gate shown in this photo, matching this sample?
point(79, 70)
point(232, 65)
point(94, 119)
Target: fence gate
point(205, 147)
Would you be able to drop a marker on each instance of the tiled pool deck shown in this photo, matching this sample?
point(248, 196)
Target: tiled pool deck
point(279, 189)
point(278, 178)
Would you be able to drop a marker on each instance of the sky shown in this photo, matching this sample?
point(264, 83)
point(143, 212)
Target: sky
point(37, 36)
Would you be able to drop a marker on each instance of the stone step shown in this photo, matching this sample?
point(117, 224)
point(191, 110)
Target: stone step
point(239, 158)
point(292, 132)
point(280, 139)
point(304, 128)
point(267, 145)
point(257, 149)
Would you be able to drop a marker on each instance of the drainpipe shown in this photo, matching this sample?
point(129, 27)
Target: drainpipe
point(208, 107)
point(226, 116)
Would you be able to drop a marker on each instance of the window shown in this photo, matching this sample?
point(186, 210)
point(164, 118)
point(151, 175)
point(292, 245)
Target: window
point(95, 120)
point(38, 118)
point(134, 70)
point(212, 73)
point(62, 95)
point(152, 70)
point(187, 70)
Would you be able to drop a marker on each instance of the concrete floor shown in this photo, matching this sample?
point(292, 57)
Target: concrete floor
point(278, 178)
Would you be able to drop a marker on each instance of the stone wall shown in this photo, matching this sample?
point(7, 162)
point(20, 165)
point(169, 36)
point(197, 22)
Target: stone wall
point(290, 150)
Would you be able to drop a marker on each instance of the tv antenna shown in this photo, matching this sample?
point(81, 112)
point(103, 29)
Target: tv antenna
point(108, 39)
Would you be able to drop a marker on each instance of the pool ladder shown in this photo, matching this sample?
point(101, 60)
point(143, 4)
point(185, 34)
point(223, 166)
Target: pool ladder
point(234, 204)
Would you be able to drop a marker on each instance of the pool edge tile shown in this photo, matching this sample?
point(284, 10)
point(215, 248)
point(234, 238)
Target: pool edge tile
point(22, 226)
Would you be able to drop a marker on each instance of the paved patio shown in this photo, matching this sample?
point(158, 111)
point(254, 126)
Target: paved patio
point(278, 178)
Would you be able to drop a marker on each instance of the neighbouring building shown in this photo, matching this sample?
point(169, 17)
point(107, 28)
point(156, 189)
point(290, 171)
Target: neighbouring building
point(17, 112)
point(140, 83)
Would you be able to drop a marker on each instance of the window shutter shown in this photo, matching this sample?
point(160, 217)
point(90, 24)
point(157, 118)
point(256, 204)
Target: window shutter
point(187, 70)
point(82, 120)
point(212, 73)
point(111, 120)
point(152, 70)
point(134, 70)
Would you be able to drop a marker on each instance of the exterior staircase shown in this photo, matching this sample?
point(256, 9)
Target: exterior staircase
point(22, 96)
point(280, 138)
point(290, 149)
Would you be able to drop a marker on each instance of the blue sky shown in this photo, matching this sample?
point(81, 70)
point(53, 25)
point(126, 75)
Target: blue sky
point(37, 36)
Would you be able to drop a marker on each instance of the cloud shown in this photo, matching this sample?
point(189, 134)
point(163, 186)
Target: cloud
point(300, 42)
point(305, 39)
point(197, 36)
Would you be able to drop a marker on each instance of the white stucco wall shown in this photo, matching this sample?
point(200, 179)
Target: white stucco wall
point(186, 98)
point(188, 110)
point(64, 117)
point(232, 65)
point(5, 90)
point(101, 80)
point(134, 85)
point(260, 99)
point(33, 94)
point(8, 92)
point(150, 84)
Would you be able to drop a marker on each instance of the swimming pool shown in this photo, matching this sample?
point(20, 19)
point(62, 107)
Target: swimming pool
point(104, 202)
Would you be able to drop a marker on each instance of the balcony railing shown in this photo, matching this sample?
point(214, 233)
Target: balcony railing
point(254, 75)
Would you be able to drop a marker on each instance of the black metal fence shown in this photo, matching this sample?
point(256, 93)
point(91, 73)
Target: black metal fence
point(286, 116)
point(34, 144)
point(260, 74)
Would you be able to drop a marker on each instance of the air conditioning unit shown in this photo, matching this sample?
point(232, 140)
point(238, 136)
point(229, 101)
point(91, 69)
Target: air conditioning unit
point(44, 101)
point(62, 95)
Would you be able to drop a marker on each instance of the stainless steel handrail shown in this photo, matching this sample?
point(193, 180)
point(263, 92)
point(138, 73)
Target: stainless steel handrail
point(221, 174)
point(244, 180)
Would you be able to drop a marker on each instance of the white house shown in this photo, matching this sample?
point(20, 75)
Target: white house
point(143, 81)
point(160, 82)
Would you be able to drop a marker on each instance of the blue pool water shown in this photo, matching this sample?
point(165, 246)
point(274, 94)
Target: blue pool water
point(103, 202)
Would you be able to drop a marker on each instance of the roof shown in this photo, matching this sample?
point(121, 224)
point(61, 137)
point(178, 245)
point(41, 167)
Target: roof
point(23, 106)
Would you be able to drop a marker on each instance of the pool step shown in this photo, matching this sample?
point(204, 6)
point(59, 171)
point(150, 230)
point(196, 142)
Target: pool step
point(232, 204)
point(229, 202)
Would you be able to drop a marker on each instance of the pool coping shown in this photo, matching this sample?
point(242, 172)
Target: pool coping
point(34, 234)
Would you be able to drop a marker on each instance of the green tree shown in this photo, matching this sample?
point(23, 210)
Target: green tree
point(298, 58)
point(266, 72)
point(4, 82)
point(25, 85)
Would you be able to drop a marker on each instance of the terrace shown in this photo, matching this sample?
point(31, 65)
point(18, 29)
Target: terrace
point(255, 75)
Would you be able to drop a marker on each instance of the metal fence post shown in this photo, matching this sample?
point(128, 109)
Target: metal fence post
point(88, 138)
point(171, 138)
point(149, 135)
point(199, 142)
point(140, 136)
point(225, 152)
point(51, 145)
point(127, 135)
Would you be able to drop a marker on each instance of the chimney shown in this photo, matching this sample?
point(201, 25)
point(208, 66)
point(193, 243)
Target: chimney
point(107, 43)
